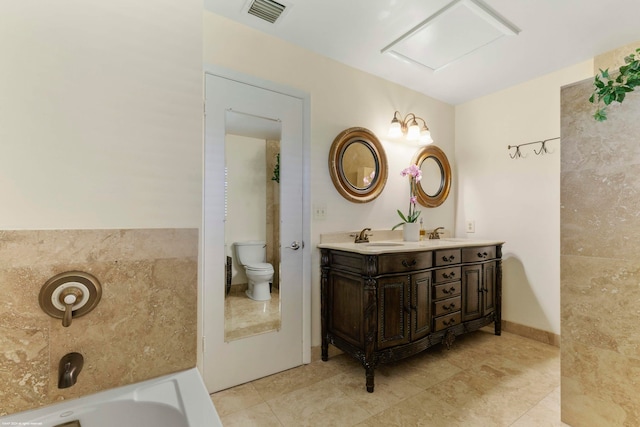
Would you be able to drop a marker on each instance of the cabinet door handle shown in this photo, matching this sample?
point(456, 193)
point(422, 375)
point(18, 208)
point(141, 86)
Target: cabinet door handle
point(448, 259)
point(482, 255)
point(450, 290)
point(448, 322)
point(449, 307)
point(409, 264)
point(449, 276)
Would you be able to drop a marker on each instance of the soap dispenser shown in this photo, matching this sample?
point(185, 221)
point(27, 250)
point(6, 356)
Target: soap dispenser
point(422, 231)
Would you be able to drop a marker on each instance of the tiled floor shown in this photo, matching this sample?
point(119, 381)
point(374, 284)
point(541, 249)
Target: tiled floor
point(483, 381)
point(245, 317)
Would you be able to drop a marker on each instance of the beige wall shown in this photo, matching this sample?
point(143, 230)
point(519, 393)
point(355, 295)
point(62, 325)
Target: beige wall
point(246, 195)
point(600, 232)
point(100, 128)
point(100, 114)
point(143, 327)
point(341, 97)
point(517, 200)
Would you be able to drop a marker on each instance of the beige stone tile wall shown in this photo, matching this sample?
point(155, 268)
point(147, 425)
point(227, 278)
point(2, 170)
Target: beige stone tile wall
point(600, 261)
point(143, 327)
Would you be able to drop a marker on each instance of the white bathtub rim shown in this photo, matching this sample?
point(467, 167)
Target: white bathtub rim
point(185, 391)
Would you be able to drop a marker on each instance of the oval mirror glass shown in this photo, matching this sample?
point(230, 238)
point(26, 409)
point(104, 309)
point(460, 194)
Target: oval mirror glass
point(436, 176)
point(358, 165)
point(431, 176)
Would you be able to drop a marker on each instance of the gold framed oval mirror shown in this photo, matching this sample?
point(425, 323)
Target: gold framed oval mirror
point(358, 165)
point(436, 176)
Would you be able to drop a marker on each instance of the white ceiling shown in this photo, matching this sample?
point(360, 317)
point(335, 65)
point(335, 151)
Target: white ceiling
point(554, 34)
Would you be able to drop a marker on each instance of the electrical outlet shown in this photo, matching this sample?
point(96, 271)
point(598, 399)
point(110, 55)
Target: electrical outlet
point(471, 226)
point(320, 212)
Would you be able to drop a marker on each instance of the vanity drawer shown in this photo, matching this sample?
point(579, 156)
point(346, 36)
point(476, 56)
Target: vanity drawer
point(446, 274)
point(447, 257)
point(478, 254)
point(446, 290)
point(444, 322)
point(446, 306)
point(406, 261)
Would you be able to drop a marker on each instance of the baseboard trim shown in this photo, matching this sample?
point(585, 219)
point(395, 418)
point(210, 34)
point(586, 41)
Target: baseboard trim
point(531, 333)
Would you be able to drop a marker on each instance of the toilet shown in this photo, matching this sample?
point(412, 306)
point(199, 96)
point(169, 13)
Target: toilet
point(252, 256)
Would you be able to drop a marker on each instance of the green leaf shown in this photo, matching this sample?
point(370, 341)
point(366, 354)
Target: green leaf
point(402, 216)
point(608, 90)
point(600, 115)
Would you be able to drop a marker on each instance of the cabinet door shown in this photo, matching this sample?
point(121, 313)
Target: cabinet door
point(471, 292)
point(393, 311)
point(345, 306)
point(420, 305)
point(489, 287)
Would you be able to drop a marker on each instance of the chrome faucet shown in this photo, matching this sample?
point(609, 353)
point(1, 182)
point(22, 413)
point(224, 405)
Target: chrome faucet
point(69, 369)
point(434, 234)
point(363, 237)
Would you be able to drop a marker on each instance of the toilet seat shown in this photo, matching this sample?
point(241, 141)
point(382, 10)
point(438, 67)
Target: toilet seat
point(261, 267)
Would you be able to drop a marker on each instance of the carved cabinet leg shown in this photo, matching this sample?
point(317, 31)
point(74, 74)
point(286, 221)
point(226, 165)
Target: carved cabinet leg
point(325, 349)
point(324, 301)
point(449, 338)
point(498, 292)
point(370, 384)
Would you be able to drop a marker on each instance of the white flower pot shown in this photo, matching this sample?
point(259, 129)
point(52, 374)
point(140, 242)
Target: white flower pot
point(411, 232)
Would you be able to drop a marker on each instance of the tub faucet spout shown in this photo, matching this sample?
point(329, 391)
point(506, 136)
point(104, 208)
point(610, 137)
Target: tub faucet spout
point(69, 369)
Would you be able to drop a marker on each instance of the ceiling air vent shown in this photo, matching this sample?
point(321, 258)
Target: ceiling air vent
point(268, 10)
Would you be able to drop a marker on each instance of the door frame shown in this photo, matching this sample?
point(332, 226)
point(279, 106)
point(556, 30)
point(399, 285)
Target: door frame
point(306, 209)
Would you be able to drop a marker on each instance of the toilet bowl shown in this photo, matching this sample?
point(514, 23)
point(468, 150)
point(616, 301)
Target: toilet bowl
point(252, 256)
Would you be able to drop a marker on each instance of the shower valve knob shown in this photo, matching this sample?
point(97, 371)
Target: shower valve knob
point(69, 295)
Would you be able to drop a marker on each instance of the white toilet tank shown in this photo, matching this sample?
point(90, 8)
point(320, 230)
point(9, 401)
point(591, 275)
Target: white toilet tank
point(251, 252)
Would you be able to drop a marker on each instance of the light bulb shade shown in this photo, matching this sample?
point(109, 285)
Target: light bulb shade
point(425, 136)
point(395, 129)
point(414, 131)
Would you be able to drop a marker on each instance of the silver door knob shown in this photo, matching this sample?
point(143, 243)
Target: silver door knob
point(295, 245)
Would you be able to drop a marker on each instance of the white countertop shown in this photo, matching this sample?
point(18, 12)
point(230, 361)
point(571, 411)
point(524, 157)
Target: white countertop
point(393, 246)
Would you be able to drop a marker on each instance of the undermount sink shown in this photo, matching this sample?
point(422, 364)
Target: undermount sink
point(384, 244)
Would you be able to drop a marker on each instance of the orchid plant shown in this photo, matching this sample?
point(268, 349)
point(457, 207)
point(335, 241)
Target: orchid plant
point(415, 175)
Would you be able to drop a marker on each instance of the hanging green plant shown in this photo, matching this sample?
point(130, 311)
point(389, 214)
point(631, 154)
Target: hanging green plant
point(276, 170)
point(608, 89)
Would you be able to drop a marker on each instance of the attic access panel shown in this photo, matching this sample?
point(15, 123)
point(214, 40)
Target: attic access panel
point(456, 30)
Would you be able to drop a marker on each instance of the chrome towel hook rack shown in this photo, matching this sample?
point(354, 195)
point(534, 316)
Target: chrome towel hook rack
point(543, 148)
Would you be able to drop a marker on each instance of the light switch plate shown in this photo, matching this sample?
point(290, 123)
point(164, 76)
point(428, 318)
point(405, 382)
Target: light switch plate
point(319, 211)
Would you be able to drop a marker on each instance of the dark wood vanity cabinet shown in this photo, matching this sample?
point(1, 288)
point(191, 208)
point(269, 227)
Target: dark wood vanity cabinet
point(403, 308)
point(479, 283)
point(384, 307)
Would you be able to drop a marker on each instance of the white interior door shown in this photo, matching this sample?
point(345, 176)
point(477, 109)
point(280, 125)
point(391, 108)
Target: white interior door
point(229, 363)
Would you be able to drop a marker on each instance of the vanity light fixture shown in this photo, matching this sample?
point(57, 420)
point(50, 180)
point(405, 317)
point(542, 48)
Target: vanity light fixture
point(409, 126)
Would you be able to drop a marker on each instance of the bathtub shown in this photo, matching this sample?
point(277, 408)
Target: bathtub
point(176, 400)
